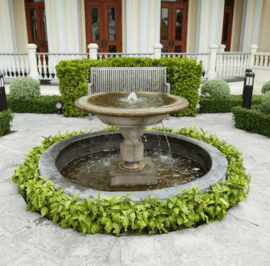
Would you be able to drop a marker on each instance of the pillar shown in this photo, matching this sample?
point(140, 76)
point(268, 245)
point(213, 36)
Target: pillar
point(213, 29)
point(143, 26)
point(211, 74)
point(76, 26)
point(157, 21)
point(60, 13)
point(129, 26)
point(32, 58)
point(49, 25)
point(256, 22)
point(245, 26)
point(201, 24)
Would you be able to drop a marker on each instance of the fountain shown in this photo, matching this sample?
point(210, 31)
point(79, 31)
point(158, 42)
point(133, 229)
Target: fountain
point(132, 114)
point(131, 170)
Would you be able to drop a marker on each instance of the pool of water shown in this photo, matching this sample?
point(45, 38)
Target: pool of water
point(92, 171)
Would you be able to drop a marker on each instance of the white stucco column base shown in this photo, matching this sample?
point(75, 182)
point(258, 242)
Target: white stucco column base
point(212, 61)
point(32, 58)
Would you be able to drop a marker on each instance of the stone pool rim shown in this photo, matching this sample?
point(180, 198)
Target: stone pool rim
point(48, 168)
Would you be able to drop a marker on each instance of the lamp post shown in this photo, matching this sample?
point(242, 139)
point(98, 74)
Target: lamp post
point(3, 100)
point(248, 88)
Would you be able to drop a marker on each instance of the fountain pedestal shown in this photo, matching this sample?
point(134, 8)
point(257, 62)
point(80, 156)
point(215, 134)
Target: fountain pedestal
point(132, 168)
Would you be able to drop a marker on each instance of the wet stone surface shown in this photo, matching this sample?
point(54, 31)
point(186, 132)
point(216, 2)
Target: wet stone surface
point(93, 171)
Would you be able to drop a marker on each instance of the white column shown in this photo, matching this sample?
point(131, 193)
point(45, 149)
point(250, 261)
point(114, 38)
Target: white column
point(220, 19)
point(200, 33)
point(143, 26)
point(157, 21)
point(244, 27)
point(256, 21)
point(76, 26)
point(212, 62)
point(32, 57)
point(213, 22)
point(252, 49)
point(49, 25)
point(93, 49)
point(8, 33)
point(129, 25)
point(60, 12)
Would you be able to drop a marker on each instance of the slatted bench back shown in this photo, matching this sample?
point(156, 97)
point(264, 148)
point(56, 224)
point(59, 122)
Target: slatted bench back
point(115, 79)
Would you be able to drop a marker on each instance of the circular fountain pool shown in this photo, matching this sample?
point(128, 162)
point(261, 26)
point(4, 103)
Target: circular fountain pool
point(58, 156)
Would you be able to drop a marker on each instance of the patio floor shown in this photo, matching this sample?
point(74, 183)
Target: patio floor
point(242, 238)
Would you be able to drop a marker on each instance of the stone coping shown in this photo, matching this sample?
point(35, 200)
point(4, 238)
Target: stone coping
point(48, 168)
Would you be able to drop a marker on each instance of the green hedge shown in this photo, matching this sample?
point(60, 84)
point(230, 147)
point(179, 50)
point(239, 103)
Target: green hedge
point(112, 215)
point(254, 120)
point(43, 104)
point(183, 75)
point(211, 105)
point(5, 120)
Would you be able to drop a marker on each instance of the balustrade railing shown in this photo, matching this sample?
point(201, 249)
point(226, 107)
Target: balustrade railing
point(204, 57)
point(14, 65)
point(232, 64)
point(262, 60)
point(46, 63)
point(102, 56)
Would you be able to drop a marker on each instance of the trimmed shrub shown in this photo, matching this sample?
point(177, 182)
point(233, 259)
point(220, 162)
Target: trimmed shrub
point(216, 88)
point(266, 87)
point(254, 120)
point(214, 105)
point(266, 102)
point(114, 215)
point(5, 119)
point(24, 88)
point(42, 105)
point(183, 75)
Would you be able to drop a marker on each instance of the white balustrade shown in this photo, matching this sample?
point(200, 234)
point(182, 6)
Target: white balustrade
point(14, 65)
point(261, 60)
point(232, 64)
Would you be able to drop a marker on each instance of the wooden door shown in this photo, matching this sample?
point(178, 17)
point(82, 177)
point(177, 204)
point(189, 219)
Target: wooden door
point(104, 25)
point(227, 24)
point(36, 25)
point(173, 26)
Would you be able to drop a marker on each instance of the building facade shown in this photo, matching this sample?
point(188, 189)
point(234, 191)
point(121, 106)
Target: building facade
point(133, 26)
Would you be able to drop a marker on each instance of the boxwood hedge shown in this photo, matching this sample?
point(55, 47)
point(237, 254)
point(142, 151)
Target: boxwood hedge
point(43, 104)
point(183, 75)
point(254, 120)
point(116, 215)
point(212, 105)
point(5, 120)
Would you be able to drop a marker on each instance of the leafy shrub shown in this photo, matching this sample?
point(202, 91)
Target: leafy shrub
point(215, 105)
point(183, 75)
point(266, 87)
point(5, 119)
point(113, 215)
point(253, 120)
point(24, 88)
point(42, 105)
point(216, 88)
point(266, 102)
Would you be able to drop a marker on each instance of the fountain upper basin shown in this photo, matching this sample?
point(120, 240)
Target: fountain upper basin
point(100, 104)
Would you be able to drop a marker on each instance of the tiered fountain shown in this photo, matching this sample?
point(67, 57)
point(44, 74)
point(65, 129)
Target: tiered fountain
point(131, 113)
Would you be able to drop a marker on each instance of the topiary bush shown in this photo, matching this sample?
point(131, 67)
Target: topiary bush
point(266, 87)
point(266, 102)
point(183, 74)
point(216, 88)
point(24, 88)
point(5, 119)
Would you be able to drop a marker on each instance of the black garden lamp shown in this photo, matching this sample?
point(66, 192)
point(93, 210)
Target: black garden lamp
point(59, 106)
point(248, 89)
point(247, 71)
point(3, 99)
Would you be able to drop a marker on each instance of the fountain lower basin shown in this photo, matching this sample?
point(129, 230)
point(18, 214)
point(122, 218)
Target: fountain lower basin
point(58, 155)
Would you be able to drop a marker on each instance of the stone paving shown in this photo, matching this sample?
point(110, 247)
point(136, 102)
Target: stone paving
point(242, 238)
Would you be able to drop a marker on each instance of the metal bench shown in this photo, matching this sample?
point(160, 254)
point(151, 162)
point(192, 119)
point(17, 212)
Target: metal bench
point(130, 79)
